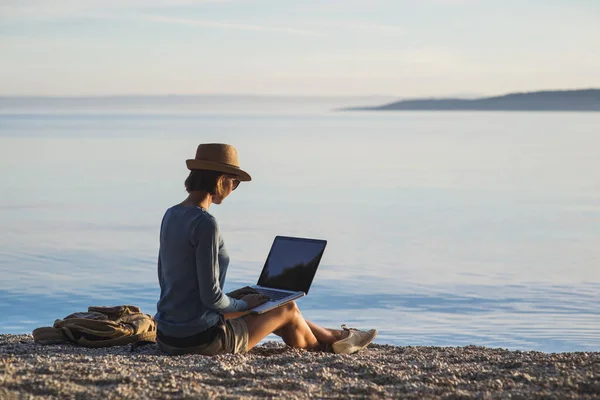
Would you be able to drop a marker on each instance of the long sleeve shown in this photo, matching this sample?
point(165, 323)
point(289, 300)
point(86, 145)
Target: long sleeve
point(205, 239)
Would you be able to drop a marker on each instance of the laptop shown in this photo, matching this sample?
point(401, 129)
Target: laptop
point(289, 270)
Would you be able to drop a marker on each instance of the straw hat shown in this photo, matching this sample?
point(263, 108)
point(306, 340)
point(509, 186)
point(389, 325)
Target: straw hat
point(218, 157)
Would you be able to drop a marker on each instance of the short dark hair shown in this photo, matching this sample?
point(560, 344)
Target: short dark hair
point(203, 180)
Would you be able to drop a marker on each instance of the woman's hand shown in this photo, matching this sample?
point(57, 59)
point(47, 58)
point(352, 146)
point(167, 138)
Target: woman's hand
point(255, 300)
point(239, 293)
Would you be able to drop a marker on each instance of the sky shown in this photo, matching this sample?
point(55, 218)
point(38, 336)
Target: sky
point(311, 47)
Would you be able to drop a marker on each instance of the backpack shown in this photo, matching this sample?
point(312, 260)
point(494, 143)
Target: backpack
point(101, 327)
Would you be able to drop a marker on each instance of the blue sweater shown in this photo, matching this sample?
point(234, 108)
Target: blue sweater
point(192, 264)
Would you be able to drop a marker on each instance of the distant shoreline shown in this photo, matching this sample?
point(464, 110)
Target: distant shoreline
point(557, 100)
point(585, 100)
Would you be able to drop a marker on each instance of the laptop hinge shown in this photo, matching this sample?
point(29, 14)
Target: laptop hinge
point(281, 290)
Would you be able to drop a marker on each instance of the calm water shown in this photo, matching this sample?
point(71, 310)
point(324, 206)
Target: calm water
point(443, 228)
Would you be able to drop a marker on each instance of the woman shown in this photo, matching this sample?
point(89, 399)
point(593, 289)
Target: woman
point(194, 315)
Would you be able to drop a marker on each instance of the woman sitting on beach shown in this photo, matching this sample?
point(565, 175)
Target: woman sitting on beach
point(194, 315)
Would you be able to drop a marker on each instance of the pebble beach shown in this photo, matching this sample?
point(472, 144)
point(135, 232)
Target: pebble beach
point(273, 370)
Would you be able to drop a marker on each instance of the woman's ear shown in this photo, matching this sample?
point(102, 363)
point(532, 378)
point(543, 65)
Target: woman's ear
point(220, 186)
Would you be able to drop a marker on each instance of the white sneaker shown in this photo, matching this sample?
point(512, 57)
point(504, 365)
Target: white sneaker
point(355, 341)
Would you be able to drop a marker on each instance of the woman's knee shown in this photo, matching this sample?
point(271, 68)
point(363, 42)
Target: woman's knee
point(291, 308)
point(285, 314)
point(288, 311)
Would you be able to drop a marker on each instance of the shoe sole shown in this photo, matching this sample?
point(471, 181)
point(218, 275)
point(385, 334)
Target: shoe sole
point(346, 348)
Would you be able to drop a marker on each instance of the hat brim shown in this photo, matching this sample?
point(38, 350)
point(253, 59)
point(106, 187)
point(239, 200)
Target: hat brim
point(220, 167)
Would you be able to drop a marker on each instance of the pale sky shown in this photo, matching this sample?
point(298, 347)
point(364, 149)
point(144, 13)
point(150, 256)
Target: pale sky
point(309, 47)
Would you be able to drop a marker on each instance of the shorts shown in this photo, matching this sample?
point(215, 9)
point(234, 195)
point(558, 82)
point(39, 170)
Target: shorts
point(226, 337)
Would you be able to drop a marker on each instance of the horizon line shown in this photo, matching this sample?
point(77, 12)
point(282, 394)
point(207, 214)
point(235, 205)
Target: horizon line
point(91, 96)
point(279, 95)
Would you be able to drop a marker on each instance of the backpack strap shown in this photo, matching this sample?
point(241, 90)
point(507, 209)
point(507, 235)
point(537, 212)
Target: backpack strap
point(120, 341)
point(116, 311)
point(49, 335)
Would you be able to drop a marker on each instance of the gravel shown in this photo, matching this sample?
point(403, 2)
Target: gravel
point(65, 371)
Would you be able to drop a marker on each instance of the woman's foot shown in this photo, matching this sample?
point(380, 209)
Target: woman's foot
point(354, 341)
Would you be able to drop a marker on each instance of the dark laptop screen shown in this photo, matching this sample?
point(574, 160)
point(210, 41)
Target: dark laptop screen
point(292, 263)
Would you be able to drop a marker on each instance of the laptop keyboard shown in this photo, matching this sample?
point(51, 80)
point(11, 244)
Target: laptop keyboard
point(274, 295)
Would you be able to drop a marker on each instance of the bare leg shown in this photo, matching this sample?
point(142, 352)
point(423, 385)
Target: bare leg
point(323, 335)
point(287, 321)
point(326, 335)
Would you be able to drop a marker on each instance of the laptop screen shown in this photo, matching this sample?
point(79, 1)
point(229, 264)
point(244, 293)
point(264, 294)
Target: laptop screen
point(292, 263)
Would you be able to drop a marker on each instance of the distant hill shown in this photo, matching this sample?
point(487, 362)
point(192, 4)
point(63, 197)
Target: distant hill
point(556, 100)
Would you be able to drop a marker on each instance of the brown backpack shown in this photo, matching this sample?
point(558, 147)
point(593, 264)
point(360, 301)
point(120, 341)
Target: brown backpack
point(100, 327)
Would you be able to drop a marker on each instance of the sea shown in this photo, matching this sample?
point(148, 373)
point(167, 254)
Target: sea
point(443, 228)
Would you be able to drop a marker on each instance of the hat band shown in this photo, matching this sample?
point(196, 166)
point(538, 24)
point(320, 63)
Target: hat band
point(202, 164)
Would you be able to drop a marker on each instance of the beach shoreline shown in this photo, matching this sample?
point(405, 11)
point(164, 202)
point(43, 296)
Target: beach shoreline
point(28, 370)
